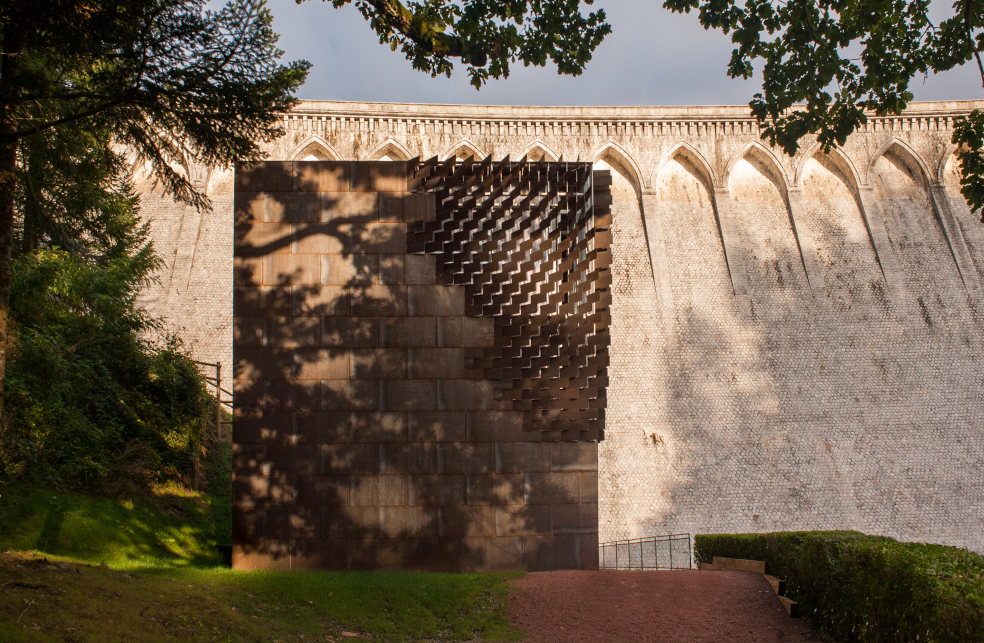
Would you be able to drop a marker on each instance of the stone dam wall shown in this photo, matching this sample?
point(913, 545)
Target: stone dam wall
point(796, 342)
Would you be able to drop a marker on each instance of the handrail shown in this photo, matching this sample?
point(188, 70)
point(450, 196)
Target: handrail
point(649, 553)
point(217, 382)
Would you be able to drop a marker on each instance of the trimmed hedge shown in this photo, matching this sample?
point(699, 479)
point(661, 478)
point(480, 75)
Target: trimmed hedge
point(868, 588)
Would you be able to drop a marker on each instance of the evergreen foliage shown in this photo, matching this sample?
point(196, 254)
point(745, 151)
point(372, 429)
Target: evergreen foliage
point(868, 588)
point(825, 63)
point(93, 402)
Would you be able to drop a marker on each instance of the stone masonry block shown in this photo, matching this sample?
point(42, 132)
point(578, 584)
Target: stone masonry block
point(379, 363)
point(350, 522)
point(392, 269)
point(249, 459)
point(465, 395)
point(419, 207)
point(436, 363)
point(350, 332)
point(349, 395)
point(269, 176)
point(499, 426)
point(352, 207)
point(375, 554)
point(393, 490)
point(247, 523)
point(434, 554)
point(465, 332)
point(521, 457)
point(261, 239)
point(349, 270)
point(329, 427)
point(247, 332)
point(262, 554)
point(468, 521)
point(409, 522)
point(254, 491)
point(548, 553)
point(349, 459)
point(269, 428)
point(379, 176)
point(501, 554)
point(378, 301)
point(295, 459)
point(443, 489)
point(285, 523)
point(319, 301)
point(294, 269)
point(293, 332)
point(322, 238)
point(365, 491)
point(574, 456)
point(409, 458)
point(436, 301)
point(521, 520)
point(407, 332)
point(421, 270)
point(248, 271)
point(304, 395)
point(296, 207)
point(495, 488)
point(261, 364)
point(321, 176)
point(319, 553)
point(408, 395)
point(379, 427)
point(391, 207)
point(321, 364)
point(438, 426)
point(550, 488)
point(589, 551)
point(249, 207)
point(379, 238)
point(588, 484)
point(574, 519)
point(468, 457)
point(260, 301)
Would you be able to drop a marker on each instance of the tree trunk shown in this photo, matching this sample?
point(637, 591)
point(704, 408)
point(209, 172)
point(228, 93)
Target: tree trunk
point(9, 60)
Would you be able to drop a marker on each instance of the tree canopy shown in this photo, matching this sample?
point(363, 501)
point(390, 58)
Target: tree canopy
point(487, 35)
point(169, 80)
point(826, 64)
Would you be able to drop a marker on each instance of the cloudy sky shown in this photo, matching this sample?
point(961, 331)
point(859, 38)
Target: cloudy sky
point(652, 57)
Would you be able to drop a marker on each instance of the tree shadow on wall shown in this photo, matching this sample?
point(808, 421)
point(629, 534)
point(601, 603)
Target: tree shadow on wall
point(327, 475)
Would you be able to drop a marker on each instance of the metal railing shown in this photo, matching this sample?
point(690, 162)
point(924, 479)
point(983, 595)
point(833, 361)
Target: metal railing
point(219, 400)
point(655, 552)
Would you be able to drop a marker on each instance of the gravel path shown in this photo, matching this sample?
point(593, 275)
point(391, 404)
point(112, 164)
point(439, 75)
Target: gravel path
point(651, 607)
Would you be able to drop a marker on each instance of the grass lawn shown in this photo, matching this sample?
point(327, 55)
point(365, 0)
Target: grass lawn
point(80, 568)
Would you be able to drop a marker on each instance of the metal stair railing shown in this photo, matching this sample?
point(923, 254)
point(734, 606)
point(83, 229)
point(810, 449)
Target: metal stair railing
point(671, 551)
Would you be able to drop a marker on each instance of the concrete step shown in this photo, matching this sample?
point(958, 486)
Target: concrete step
point(792, 607)
point(778, 585)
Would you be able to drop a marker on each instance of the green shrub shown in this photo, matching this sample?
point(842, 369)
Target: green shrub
point(868, 588)
point(96, 395)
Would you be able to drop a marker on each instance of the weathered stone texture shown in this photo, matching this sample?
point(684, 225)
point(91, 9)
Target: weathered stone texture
point(796, 341)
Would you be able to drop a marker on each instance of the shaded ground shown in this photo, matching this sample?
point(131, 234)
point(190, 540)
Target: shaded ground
point(43, 600)
point(651, 607)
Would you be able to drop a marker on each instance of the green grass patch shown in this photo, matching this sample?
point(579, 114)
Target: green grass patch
point(82, 568)
point(172, 526)
point(868, 588)
point(44, 601)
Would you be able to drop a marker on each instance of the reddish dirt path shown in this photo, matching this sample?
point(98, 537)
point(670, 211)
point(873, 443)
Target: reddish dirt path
point(652, 607)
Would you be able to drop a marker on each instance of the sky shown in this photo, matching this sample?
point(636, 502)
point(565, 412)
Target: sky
point(652, 57)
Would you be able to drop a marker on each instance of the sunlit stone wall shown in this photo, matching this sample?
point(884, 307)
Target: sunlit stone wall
point(796, 341)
